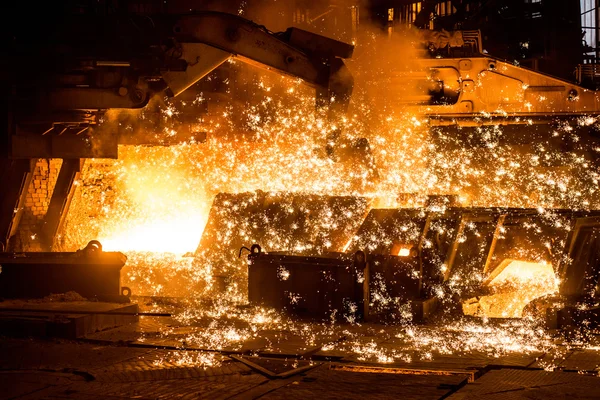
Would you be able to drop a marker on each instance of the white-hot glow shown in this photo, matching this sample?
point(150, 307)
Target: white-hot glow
point(519, 283)
point(176, 234)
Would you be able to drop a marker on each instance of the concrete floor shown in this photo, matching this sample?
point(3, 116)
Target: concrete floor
point(163, 358)
point(53, 369)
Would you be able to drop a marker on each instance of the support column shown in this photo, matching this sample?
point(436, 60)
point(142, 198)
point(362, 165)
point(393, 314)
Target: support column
point(497, 232)
point(15, 178)
point(60, 202)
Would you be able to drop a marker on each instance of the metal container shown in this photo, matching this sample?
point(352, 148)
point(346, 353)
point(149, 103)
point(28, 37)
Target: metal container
point(89, 272)
point(315, 287)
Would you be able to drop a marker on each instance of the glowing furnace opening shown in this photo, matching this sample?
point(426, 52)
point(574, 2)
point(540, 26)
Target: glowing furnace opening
point(513, 285)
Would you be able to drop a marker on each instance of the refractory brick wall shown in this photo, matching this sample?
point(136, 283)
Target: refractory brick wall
point(95, 194)
point(36, 205)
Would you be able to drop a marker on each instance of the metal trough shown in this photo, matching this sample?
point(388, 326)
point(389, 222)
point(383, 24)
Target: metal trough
point(412, 254)
point(89, 272)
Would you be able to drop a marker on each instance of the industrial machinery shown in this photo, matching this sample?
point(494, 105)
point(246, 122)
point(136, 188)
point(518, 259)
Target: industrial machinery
point(460, 89)
point(402, 263)
point(90, 272)
point(461, 85)
point(95, 63)
point(53, 111)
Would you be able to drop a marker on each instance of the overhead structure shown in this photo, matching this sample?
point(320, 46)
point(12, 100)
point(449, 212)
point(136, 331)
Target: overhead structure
point(459, 84)
point(64, 75)
point(54, 107)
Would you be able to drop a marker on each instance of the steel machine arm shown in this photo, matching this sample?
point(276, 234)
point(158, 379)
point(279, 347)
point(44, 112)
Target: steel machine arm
point(135, 57)
point(208, 39)
point(456, 83)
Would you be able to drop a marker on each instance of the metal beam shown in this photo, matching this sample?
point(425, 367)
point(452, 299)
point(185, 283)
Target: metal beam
point(59, 203)
point(462, 246)
point(451, 255)
point(426, 226)
point(15, 178)
point(497, 232)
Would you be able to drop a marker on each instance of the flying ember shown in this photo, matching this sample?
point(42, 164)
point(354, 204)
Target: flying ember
point(240, 208)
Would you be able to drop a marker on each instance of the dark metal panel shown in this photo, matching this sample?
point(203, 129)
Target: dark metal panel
point(580, 276)
point(92, 98)
point(439, 242)
point(314, 287)
point(393, 282)
point(317, 44)
point(15, 178)
point(471, 247)
point(385, 227)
